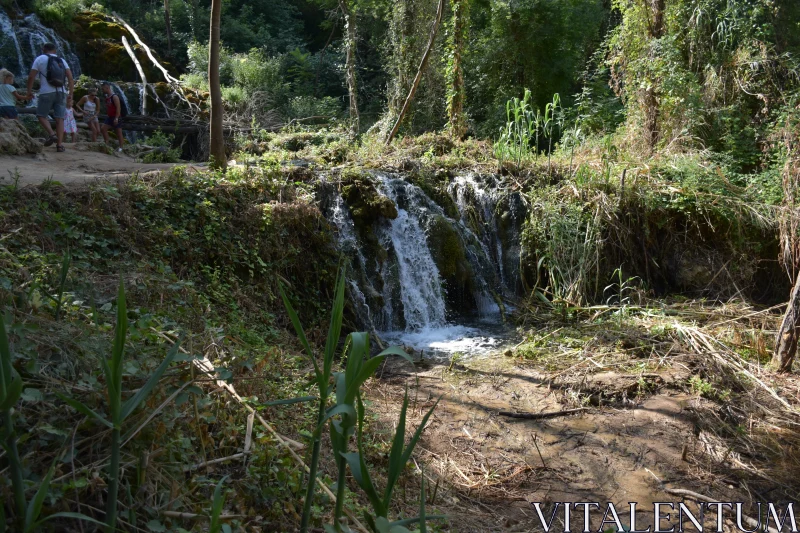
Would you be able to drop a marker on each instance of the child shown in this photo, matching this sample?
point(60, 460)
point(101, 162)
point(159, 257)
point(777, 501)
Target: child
point(89, 106)
point(9, 96)
point(70, 126)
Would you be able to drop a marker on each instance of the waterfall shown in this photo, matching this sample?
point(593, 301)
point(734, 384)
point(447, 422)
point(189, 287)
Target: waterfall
point(22, 42)
point(394, 281)
point(10, 36)
point(495, 217)
point(420, 287)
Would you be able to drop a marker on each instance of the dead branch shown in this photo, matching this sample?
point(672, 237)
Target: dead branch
point(540, 416)
point(701, 497)
point(420, 70)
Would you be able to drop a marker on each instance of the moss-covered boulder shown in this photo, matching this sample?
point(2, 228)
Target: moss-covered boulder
point(450, 255)
point(98, 43)
point(365, 202)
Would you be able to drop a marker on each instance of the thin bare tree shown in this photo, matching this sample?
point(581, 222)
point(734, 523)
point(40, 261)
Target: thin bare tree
point(217, 140)
point(422, 64)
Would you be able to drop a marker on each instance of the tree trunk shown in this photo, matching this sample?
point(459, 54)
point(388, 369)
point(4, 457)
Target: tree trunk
point(656, 29)
point(141, 73)
point(169, 26)
point(217, 141)
point(420, 71)
point(789, 221)
point(786, 340)
point(350, 45)
point(457, 123)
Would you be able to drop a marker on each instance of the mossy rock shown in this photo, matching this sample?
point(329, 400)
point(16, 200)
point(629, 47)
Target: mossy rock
point(366, 204)
point(94, 25)
point(434, 185)
point(450, 256)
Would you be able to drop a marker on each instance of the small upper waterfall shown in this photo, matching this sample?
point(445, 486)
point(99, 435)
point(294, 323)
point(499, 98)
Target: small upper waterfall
point(22, 42)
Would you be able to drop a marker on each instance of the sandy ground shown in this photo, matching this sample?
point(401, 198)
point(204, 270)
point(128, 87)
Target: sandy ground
point(81, 162)
point(491, 469)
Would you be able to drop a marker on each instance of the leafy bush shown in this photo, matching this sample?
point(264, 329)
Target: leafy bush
point(255, 71)
point(162, 151)
point(322, 108)
point(59, 12)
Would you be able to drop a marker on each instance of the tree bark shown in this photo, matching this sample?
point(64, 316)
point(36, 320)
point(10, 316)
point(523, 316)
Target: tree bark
point(350, 45)
point(786, 340)
point(420, 70)
point(656, 29)
point(141, 73)
point(169, 26)
point(457, 124)
point(217, 140)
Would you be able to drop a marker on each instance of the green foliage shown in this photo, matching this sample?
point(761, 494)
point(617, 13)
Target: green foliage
point(118, 410)
point(59, 13)
point(161, 148)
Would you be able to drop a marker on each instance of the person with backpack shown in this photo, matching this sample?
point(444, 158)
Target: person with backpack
point(55, 84)
point(115, 111)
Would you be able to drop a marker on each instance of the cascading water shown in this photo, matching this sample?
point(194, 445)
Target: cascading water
point(403, 294)
point(421, 291)
point(496, 218)
point(22, 40)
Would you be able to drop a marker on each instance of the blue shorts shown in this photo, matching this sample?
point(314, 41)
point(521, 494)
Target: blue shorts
point(8, 111)
point(52, 104)
point(109, 121)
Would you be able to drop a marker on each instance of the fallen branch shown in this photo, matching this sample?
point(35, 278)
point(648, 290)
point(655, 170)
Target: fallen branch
point(216, 461)
point(205, 366)
point(703, 498)
point(176, 514)
point(539, 416)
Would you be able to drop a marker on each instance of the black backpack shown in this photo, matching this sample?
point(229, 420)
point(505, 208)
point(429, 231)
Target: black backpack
point(56, 73)
point(123, 108)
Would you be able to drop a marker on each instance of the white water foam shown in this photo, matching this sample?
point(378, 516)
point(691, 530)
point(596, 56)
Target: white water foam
point(446, 340)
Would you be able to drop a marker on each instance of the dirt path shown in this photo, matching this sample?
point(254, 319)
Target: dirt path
point(81, 162)
point(492, 468)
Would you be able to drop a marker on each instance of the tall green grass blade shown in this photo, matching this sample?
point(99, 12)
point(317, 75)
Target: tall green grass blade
point(35, 505)
point(341, 409)
point(10, 391)
point(423, 528)
point(396, 453)
point(66, 514)
point(13, 391)
point(297, 326)
point(216, 507)
point(82, 408)
point(151, 383)
point(290, 401)
point(335, 328)
point(417, 434)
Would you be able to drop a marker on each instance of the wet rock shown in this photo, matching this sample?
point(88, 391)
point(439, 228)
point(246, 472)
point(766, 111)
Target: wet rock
point(365, 202)
point(14, 140)
point(450, 255)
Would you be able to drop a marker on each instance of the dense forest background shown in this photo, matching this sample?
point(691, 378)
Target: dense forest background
point(705, 74)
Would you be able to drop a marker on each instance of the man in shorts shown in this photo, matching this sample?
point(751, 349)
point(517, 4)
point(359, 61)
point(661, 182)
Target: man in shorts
point(113, 114)
point(52, 99)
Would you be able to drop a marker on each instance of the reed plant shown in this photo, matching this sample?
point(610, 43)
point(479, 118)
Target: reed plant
point(345, 416)
point(27, 512)
point(119, 411)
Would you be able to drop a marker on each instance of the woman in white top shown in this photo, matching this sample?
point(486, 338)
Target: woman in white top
point(88, 105)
